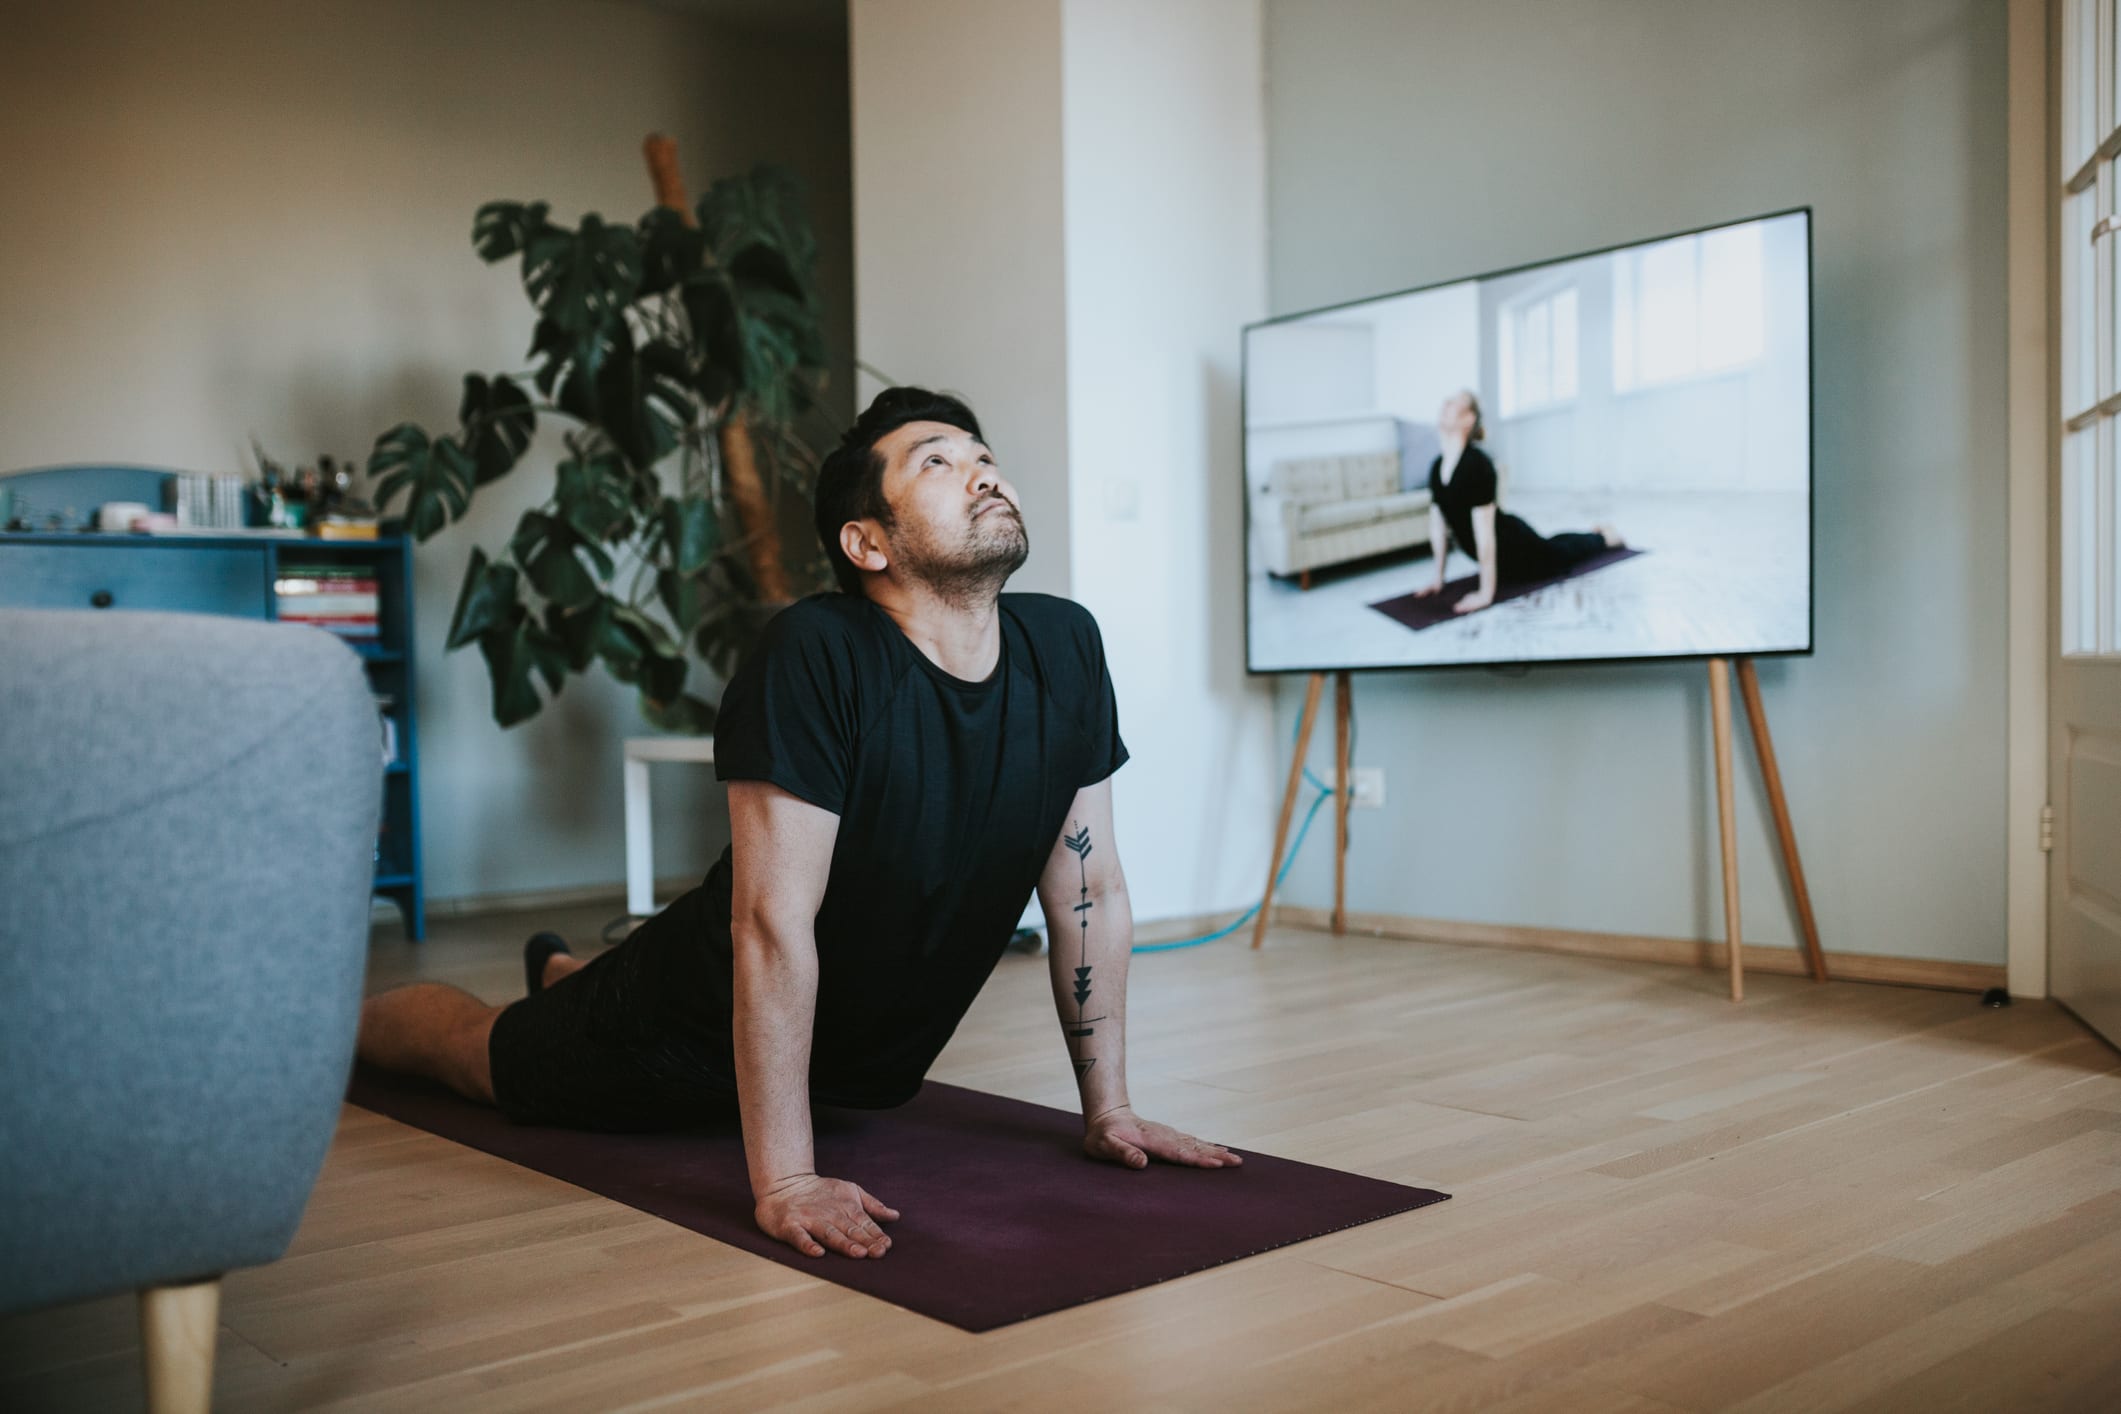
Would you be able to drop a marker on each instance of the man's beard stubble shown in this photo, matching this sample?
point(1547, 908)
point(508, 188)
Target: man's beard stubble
point(972, 571)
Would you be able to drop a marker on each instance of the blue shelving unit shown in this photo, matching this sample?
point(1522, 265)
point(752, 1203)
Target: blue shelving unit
point(234, 574)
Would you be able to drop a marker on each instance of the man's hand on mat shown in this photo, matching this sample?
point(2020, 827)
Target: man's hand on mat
point(1475, 600)
point(1121, 1136)
point(1427, 589)
point(810, 1213)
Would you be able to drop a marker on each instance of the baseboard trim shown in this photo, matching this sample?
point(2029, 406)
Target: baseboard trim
point(1680, 952)
point(534, 900)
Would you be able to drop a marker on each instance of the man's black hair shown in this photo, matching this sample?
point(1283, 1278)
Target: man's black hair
point(850, 481)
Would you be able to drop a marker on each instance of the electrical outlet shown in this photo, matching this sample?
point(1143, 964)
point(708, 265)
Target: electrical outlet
point(1366, 787)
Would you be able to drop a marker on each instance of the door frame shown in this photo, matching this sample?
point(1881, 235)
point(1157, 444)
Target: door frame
point(2032, 289)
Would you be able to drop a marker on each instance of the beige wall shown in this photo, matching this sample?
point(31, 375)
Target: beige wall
point(958, 263)
point(1166, 173)
point(240, 217)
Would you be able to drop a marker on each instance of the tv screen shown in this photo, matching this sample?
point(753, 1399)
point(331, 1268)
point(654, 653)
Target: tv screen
point(1611, 452)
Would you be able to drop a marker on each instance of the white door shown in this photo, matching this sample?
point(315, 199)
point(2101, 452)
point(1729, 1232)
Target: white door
point(2084, 727)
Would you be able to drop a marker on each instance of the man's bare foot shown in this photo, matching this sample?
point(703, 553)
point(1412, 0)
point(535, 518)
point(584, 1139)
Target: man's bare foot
point(1612, 536)
point(545, 961)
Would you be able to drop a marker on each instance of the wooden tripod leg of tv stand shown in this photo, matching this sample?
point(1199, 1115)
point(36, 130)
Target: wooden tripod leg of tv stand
point(1764, 747)
point(1304, 724)
point(1727, 819)
point(1342, 707)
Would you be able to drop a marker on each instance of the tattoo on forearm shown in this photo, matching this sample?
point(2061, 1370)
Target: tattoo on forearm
point(1079, 844)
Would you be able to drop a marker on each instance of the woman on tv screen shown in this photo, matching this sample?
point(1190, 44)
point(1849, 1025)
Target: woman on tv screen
point(1462, 492)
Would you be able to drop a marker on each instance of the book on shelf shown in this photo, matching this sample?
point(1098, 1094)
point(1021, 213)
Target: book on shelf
point(328, 606)
point(294, 582)
point(335, 598)
point(347, 528)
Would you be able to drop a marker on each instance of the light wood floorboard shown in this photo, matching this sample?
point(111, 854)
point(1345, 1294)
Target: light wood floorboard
point(1830, 1197)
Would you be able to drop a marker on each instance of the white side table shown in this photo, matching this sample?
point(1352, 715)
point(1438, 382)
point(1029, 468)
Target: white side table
point(640, 846)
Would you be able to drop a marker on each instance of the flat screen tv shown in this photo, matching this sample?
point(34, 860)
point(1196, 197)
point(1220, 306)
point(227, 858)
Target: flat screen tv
point(1613, 451)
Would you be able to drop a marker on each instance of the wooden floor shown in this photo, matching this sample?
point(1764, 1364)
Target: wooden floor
point(1830, 1197)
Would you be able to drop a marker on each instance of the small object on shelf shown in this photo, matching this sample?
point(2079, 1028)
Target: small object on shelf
point(120, 515)
point(209, 502)
point(338, 527)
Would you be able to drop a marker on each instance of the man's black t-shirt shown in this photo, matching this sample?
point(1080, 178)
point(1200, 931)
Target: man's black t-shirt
point(951, 796)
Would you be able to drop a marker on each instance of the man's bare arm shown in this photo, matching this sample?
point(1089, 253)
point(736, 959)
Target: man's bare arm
point(1090, 929)
point(1090, 933)
point(781, 855)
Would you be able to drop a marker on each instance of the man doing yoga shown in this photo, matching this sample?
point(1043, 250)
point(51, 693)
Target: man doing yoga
point(907, 760)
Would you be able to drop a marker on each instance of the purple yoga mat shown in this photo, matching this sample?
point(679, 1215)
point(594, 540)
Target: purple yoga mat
point(1003, 1217)
point(1428, 612)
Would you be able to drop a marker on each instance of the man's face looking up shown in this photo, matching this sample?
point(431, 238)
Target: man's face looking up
point(956, 524)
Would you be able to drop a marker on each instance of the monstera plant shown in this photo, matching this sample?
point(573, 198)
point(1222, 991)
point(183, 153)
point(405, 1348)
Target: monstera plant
point(683, 357)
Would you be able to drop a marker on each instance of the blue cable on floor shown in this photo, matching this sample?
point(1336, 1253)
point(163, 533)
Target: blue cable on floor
point(1324, 790)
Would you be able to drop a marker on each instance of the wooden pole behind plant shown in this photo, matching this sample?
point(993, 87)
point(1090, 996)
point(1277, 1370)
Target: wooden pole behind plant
point(740, 463)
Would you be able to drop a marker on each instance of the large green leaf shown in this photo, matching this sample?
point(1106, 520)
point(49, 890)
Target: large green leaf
point(514, 698)
point(586, 632)
point(653, 636)
point(764, 247)
point(546, 653)
point(555, 573)
point(512, 654)
point(671, 250)
point(662, 676)
point(764, 207)
point(683, 597)
point(717, 335)
point(780, 342)
point(590, 495)
point(554, 349)
point(764, 267)
point(690, 532)
point(665, 386)
point(498, 421)
point(486, 601)
point(611, 398)
point(582, 280)
point(435, 475)
point(504, 227)
point(533, 529)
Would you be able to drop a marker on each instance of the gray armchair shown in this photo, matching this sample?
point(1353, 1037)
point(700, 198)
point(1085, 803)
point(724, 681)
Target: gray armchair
point(188, 812)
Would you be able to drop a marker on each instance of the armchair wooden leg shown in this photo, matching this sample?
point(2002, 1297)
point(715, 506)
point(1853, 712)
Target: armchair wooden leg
point(177, 1331)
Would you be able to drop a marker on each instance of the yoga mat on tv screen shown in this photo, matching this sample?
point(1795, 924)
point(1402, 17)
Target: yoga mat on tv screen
point(1002, 1215)
point(1435, 609)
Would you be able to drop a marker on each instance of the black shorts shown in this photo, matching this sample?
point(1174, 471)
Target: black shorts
point(595, 1051)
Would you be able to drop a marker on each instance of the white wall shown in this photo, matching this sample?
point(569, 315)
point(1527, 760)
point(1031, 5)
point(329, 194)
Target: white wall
point(1060, 213)
point(1583, 797)
point(958, 265)
point(1166, 261)
point(246, 217)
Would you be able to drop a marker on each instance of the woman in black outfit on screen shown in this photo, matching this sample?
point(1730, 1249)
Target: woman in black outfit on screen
point(1462, 501)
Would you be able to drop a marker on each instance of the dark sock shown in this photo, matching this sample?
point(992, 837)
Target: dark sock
point(536, 953)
